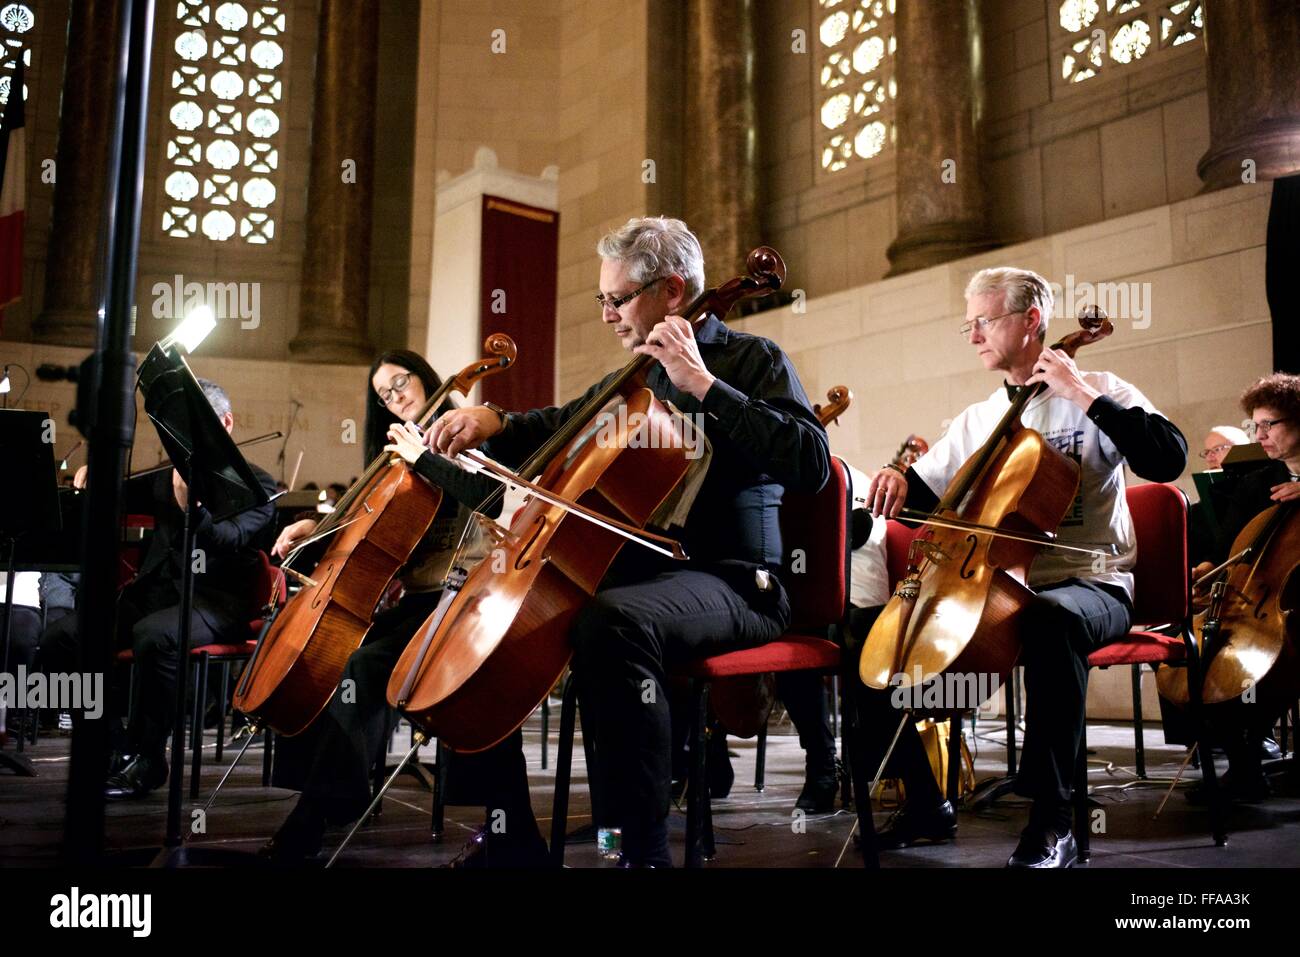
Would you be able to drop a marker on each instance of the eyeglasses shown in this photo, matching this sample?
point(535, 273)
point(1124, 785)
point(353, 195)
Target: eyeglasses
point(980, 323)
point(1214, 450)
point(617, 303)
point(1263, 426)
point(399, 384)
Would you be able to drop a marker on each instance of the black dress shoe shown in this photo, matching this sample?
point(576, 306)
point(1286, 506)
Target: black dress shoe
point(299, 838)
point(140, 776)
point(908, 825)
point(487, 851)
point(819, 789)
point(1044, 849)
point(118, 760)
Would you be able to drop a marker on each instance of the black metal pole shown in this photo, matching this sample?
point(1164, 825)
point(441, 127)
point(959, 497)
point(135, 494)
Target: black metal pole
point(175, 782)
point(104, 416)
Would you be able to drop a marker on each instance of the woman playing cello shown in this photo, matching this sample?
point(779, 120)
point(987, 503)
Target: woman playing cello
point(330, 763)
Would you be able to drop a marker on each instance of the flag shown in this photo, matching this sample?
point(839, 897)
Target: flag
point(13, 187)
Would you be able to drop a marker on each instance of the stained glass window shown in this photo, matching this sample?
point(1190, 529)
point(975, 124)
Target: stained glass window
point(855, 80)
point(1095, 36)
point(16, 23)
point(225, 95)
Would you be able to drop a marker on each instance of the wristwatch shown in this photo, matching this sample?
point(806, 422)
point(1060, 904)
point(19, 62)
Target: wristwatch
point(502, 413)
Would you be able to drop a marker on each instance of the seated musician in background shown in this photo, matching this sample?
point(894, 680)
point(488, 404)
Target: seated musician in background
point(149, 606)
point(1103, 423)
point(650, 614)
point(1219, 441)
point(330, 762)
point(1273, 404)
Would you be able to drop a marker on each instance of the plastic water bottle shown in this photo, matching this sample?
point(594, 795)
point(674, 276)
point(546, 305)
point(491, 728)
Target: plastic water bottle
point(609, 843)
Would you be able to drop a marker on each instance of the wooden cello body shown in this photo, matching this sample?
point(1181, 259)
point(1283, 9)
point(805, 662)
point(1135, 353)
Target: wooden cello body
point(958, 609)
point(1249, 635)
point(474, 673)
point(298, 663)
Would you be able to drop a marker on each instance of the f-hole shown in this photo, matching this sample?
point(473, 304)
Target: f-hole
point(540, 525)
point(1264, 591)
point(966, 570)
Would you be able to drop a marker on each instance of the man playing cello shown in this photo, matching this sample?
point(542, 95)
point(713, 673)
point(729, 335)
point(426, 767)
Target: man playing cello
point(1103, 423)
point(649, 615)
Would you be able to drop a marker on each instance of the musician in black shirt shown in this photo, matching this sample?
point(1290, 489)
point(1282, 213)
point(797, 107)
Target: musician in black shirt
point(650, 615)
point(149, 606)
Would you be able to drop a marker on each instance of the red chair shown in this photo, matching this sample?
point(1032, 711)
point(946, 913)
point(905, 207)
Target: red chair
point(1161, 599)
point(270, 596)
point(818, 600)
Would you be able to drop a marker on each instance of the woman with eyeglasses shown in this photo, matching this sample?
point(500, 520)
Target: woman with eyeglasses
point(1273, 404)
point(331, 762)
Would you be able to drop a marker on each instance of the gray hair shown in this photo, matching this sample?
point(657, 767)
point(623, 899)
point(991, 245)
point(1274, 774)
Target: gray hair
point(1233, 434)
point(216, 397)
point(1021, 289)
point(655, 246)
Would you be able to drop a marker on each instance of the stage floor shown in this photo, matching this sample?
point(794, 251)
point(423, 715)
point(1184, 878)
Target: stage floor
point(753, 829)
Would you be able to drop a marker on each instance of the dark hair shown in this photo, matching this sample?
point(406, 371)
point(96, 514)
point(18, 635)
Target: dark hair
point(378, 416)
point(1278, 391)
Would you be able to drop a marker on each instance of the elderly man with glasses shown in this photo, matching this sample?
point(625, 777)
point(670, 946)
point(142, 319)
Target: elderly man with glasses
point(1103, 423)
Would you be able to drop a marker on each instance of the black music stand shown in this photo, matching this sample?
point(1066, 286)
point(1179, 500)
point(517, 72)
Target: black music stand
point(216, 473)
point(28, 504)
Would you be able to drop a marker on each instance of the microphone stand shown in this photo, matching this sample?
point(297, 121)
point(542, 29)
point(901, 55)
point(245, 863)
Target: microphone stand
point(293, 415)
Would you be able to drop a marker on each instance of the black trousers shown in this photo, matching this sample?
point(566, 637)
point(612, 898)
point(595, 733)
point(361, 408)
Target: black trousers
point(625, 641)
point(1065, 623)
point(331, 762)
point(150, 626)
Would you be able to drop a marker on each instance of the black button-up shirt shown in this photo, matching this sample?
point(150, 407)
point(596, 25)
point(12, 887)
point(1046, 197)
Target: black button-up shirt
point(764, 434)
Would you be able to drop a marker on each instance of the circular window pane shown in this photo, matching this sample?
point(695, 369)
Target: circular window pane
point(222, 154)
point(259, 193)
point(218, 225)
point(232, 16)
point(186, 115)
point(267, 54)
point(227, 84)
point(263, 123)
point(182, 186)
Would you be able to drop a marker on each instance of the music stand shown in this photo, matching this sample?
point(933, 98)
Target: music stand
point(28, 503)
point(216, 473)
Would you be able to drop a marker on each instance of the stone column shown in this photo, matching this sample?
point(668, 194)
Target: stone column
point(73, 264)
point(336, 261)
point(1252, 52)
point(939, 111)
point(720, 162)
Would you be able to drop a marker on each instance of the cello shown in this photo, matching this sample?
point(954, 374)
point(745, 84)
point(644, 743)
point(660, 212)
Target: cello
point(958, 607)
point(377, 525)
point(1249, 633)
point(485, 659)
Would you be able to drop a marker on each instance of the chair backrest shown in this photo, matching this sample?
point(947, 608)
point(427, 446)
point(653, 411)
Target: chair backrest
point(1161, 581)
point(815, 531)
point(268, 576)
point(898, 541)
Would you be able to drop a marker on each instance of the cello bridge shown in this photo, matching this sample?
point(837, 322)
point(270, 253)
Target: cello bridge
point(931, 550)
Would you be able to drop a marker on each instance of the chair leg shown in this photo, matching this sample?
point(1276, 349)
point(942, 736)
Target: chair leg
point(698, 785)
point(268, 756)
point(546, 728)
point(1139, 747)
point(1082, 826)
point(221, 708)
point(1013, 703)
point(1209, 776)
point(563, 772)
point(860, 785)
point(760, 759)
point(196, 734)
point(441, 774)
point(954, 758)
point(835, 706)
